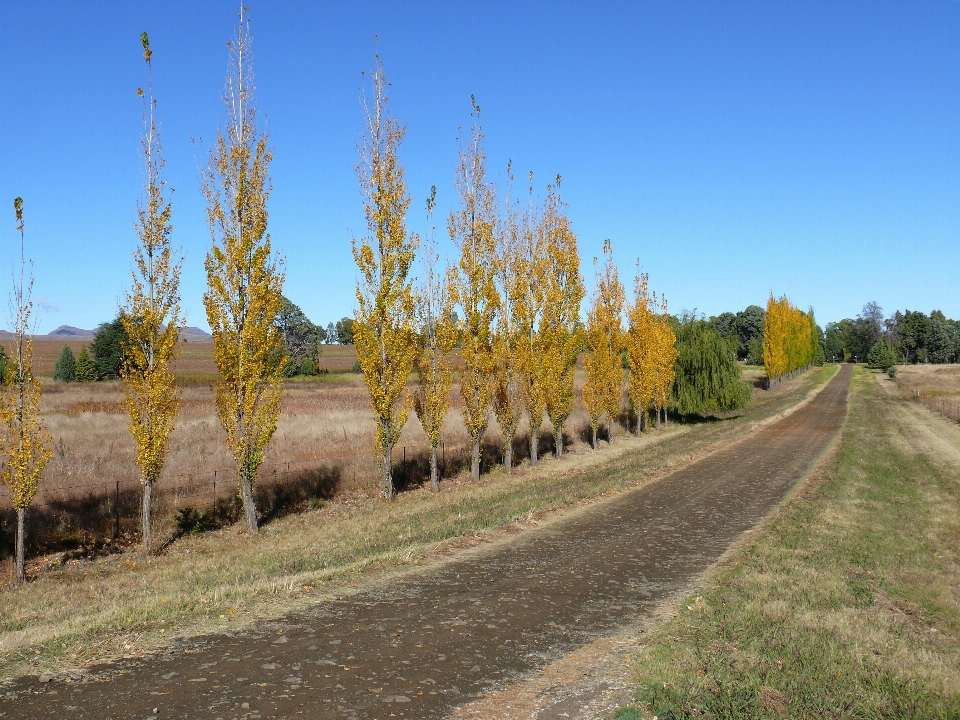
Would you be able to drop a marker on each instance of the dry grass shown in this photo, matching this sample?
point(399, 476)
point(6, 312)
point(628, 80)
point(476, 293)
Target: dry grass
point(846, 603)
point(119, 604)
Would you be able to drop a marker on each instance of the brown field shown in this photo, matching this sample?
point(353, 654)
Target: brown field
point(936, 386)
point(196, 359)
point(322, 447)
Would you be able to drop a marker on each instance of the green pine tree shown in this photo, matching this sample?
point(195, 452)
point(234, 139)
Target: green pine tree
point(66, 366)
point(881, 356)
point(86, 367)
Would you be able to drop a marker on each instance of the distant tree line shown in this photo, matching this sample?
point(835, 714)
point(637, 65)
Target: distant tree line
point(909, 336)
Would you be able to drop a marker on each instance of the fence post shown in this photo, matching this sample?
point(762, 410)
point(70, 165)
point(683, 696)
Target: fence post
point(116, 512)
point(214, 492)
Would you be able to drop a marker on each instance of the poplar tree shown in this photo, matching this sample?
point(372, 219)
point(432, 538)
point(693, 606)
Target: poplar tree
point(511, 274)
point(529, 307)
point(25, 440)
point(642, 349)
point(244, 279)
point(790, 339)
point(602, 362)
point(472, 230)
point(664, 362)
point(561, 332)
point(152, 319)
point(437, 334)
point(383, 324)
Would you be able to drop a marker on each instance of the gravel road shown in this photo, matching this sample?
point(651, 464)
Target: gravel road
point(423, 644)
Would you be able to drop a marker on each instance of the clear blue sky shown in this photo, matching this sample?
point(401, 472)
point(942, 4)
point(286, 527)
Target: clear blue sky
point(807, 148)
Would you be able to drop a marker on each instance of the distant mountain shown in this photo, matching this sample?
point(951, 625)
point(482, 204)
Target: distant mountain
point(195, 334)
point(67, 332)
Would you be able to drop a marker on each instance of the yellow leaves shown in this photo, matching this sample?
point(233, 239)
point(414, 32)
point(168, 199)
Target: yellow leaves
point(152, 320)
point(602, 388)
point(789, 338)
point(244, 281)
point(383, 324)
point(24, 440)
point(560, 336)
point(651, 350)
point(472, 230)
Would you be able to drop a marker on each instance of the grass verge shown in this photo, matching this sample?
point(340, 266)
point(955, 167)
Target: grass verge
point(845, 604)
point(80, 612)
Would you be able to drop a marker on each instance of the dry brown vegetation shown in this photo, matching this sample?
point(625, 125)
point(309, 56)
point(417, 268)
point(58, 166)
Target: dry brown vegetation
point(936, 386)
point(323, 447)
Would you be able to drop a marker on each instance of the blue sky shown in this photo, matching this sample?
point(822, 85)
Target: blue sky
point(806, 148)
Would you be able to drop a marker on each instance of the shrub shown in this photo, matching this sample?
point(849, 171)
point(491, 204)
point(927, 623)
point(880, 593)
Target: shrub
point(308, 367)
point(892, 372)
point(356, 367)
point(881, 356)
point(86, 368)
point(66, 366)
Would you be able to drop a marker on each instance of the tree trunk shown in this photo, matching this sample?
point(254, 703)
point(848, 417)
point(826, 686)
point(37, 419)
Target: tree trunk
point(21, 521)
point(534, 442)
point(641, 416)
point(593, 437)
point(386, 469)
point(434, 474)
point(475, 461)
point(508, 455)
point(249, 507)
point(146, 517)
point(610, 425)
point(558, 440)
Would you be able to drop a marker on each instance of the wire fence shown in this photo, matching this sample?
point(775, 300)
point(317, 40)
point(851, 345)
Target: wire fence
point(945, 406)
point(94, 512)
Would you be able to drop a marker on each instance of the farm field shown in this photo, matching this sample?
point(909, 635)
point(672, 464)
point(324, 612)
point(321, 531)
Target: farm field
point(120, 603)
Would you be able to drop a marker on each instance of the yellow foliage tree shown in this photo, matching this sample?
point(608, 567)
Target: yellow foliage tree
point(561, 332)
point(244, 279)
point(642, 349)
point(529, 308)
point(25, 440)
point(437, 334)
point(602, 388)
point(472, 229)
point(383, 324)
point(152, 320)
point(789, 339)
point(665, 358)
point(511, 275)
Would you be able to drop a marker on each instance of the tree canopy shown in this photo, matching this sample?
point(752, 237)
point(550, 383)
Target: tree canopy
point(707, 374)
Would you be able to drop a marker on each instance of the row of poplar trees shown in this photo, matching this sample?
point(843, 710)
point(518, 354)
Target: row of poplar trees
point(242, 301)
point(790, 340)
point(517, 288)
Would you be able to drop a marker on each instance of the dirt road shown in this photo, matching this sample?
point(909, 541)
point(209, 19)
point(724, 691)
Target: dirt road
point(425, 644)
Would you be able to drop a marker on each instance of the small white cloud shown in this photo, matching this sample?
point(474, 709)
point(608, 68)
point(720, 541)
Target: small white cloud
point(47, 305)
